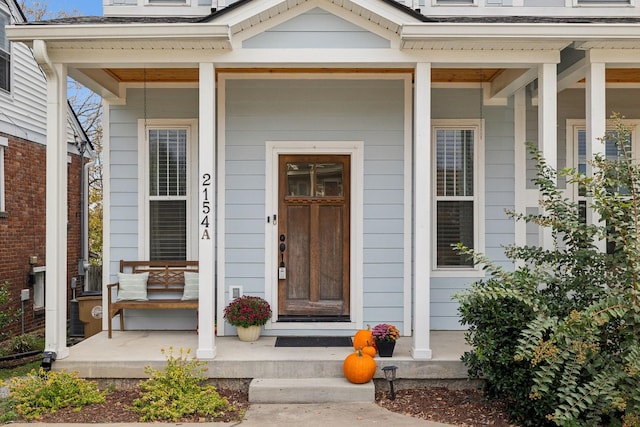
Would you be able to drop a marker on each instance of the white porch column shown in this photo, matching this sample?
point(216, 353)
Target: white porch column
point(207, 215)
point(596, 122)
point(547, 126)
point(422, 213)
point(56, 203)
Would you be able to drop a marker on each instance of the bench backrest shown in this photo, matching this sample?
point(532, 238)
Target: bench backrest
point(164, 276)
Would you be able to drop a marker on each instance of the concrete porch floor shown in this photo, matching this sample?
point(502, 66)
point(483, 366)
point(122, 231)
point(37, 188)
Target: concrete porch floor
point(125, 355)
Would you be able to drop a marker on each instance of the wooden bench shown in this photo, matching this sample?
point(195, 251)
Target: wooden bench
point(165, 287)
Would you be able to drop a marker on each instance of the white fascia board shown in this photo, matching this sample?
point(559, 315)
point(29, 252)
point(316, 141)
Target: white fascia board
point(519, 31)
point(158, 11)
point(28, 33)
point(615, 56)
point(605, 9)
point(304, 57)
point(386, 57)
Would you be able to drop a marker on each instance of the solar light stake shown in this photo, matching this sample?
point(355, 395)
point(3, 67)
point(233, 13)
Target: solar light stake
point(390, 375)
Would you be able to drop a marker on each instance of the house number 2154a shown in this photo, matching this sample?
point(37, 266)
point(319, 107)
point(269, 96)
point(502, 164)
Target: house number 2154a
point(206, 206)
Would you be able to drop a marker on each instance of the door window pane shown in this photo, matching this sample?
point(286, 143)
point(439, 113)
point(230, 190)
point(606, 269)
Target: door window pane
point(299, 179)
point(329, 179)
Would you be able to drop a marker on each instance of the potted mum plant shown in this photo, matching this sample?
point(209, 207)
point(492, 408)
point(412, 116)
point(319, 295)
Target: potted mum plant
point(248, 314)
point(385, 336)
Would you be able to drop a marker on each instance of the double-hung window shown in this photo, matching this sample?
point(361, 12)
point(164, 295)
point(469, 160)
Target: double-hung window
point(168, 192)
point(456, 190)
point(5, 54)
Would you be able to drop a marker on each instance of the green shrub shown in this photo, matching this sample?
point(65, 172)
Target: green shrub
point(558, 336)
point(6, 316)
point(40, 392)
point(177, 391)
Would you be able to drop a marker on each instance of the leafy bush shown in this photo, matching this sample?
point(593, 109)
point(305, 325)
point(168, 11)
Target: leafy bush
point(40, 392)
point(6, 316)
point(177, 392)
point(558, 336)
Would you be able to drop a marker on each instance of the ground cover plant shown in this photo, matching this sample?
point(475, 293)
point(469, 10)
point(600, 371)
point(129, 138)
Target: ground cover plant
point(178, 391)
point(40, 392)
point(557, 336)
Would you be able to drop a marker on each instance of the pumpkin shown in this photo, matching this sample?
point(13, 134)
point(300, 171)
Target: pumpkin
point(359, 368)
point(369, 349)
point(362, 338)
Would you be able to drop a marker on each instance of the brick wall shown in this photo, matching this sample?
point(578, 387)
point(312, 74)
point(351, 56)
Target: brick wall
point(23, 230)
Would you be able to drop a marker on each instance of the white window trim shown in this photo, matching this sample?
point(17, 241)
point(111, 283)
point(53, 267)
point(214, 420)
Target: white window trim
point(439, 3)
point(576, 125)
point(191, 126)
point(477, 125)
point(4, 143)
point(168, 3)
point(604, 3)
point(10, 52)
point(40, 274)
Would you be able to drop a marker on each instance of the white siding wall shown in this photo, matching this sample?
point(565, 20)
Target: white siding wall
point(22, 111)
point(371, 111)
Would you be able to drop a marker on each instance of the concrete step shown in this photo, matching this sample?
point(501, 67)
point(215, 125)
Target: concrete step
point(309, 390)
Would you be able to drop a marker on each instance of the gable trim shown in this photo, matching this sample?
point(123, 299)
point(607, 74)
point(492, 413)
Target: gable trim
point(246, 29)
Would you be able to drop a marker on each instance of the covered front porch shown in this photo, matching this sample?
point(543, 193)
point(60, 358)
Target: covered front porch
point(123, 358)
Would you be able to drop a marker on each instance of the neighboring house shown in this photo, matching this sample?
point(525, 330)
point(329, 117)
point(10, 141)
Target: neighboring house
point(366, 135)
point(23, 184)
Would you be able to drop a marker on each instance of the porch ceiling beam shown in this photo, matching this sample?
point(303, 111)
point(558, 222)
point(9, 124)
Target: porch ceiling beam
point(98, 81)
point(572, 75)
point(510, 81)
point(304, 57)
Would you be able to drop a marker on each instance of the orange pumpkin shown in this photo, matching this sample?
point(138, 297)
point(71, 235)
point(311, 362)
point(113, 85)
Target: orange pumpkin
point(369, 349)
point(362, 338)
point(359, 368)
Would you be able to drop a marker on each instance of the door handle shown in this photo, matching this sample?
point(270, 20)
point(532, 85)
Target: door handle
point(282, 271)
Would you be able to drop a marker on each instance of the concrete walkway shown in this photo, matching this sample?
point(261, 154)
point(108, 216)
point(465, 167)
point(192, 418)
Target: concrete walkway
point(293, 415)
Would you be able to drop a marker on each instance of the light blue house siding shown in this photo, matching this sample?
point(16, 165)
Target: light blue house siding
point(498, 185)
point(124, 221)
point(371, 111)
point(316, 28)
point(260, 110)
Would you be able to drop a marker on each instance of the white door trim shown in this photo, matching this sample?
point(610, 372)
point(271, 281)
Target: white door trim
point(354, 149)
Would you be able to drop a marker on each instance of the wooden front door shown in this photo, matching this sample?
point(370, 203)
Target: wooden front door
point(313, 231)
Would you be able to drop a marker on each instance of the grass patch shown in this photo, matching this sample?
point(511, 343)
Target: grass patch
point(19, 371)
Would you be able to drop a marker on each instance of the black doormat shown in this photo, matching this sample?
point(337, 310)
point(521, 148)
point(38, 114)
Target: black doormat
point(313, 342)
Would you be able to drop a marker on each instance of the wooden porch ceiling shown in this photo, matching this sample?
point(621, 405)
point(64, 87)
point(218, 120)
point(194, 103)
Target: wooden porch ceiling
point(185, 75)
point(438, 75)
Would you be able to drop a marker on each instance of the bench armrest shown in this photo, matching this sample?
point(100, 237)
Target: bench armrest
point(109, 287)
